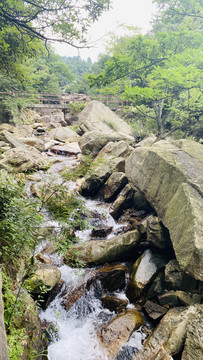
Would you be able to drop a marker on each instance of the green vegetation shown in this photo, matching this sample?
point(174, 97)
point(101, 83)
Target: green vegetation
point(27, 62)
point(160, 73)
point(25, 25)
point(20, 233)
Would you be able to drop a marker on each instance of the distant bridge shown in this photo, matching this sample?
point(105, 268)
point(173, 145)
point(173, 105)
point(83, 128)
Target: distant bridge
point(60, 101)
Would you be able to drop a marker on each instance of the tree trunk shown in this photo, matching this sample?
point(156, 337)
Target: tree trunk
point(158, 109)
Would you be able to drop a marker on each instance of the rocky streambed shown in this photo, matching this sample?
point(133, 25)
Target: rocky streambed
point(139, 293)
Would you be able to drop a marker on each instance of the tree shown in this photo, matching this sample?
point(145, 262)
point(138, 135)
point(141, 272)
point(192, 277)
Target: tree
point(53, 20)
point(25, 23)
point(161, 73)
point(177, 10)
point(46, 74)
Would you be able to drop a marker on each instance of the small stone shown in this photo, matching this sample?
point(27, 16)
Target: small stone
point(170, 298)
point(184, 298)
point(101, 232)
point(154, 310)
point(44, 259)
point(123, 201)
point(114, 303)
point(67, 149)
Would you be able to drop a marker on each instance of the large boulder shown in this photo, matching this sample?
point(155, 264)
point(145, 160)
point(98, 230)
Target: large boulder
point(10, 139)
point(66, 149)
point(64, 134)
point(96, 252)
point(97, 116)
point(52, 116)
point(117, 332)
point(169, 174)
point(34, 141)
point(24, 158)
point(169, 336)
point(111, 158)
point(193, 349)
point(93, 141)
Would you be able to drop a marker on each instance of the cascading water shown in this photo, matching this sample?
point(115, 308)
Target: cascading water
point(75, 334)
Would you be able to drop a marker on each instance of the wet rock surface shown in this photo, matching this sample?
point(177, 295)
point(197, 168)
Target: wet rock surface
point(169, 336)
point(112, 277)
point(96, 252)
point(117, 332)
point(142, 273)
point(161, 285)
point(114, 303)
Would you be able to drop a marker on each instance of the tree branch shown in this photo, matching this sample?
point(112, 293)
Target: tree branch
point(143, 113)
point(186, 14)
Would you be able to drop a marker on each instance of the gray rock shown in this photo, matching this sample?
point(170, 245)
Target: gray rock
point(10, 139)
point(193, 349)
point(155, 233)
point(56, 117)
point(96, 252)
point(117, 332)
point(97, 116)
point(23, 158)
point(63, 134)
point(168, 337)
point(140, 202)
point(154, 310)
point(111, 158)
point(93, 141)
point(34, 141)
point(123, 201)
point(176, 279)
point(7, 127)
point(66, 149)
point(169, 174)
point(114, 185)
point(142, 273)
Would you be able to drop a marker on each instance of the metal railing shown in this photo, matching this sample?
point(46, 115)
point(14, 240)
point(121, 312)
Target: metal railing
point(62, 99)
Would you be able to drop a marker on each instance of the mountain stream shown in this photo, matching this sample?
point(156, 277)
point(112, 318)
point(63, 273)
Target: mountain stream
point(74, 332)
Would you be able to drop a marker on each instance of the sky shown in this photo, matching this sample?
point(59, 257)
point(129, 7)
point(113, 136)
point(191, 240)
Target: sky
point(137, 13)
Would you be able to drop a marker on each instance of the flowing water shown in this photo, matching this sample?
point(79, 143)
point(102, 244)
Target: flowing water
point(74, 332)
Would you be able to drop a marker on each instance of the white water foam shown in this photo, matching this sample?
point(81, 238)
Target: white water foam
point(76, 337)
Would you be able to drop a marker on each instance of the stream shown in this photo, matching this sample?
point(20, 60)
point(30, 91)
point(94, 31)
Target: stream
point(74, 333)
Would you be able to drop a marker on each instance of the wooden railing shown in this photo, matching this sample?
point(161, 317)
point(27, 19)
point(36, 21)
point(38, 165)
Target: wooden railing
point(62, 99)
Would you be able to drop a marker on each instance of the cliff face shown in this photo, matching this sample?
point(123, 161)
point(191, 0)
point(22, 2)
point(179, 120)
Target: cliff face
point(170, 175)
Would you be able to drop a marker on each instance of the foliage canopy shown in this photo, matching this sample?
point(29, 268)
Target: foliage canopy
point(160, 73)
